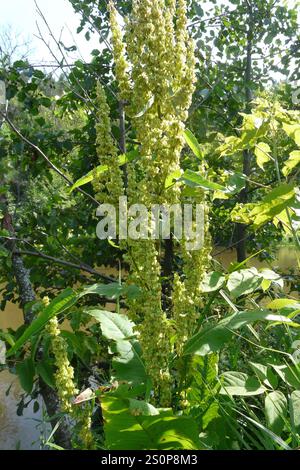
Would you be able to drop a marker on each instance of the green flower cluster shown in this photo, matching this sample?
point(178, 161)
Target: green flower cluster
point(84, 419)
point(156, 73)
point(64, 376)
point(110, 186)
point(122, 65)
point(66, 389)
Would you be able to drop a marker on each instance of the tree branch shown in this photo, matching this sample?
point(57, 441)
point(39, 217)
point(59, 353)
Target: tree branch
point(81, 267)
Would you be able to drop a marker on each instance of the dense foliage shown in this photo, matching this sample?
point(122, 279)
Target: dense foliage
point(171, 350)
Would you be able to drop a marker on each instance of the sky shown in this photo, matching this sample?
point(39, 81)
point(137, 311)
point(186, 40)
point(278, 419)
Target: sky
point(21, 16)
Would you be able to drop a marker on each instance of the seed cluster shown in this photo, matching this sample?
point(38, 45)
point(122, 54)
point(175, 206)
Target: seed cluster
point(110, 187)
point(156, 74)
point(64, 376)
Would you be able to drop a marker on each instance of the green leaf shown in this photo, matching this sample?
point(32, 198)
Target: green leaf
point(194, 179)
point(45, 370)
point(114, 326)
point(138, 407)
point(3, 252)
point(262, 153)
point(235, 183)
point(275, 411)
point(128, 364)
point(193, 143)
point(278, 304)
point(266, 284)
point(93, 174)
point(113, 290)
point(203, 372)
point(172, 178)
point(239, 384)
point(288, 374)
point(62, 303)
point(99, 170)
point(243, 282)
point(272, 276)
point(232, 145)
point(293, 131)
point(26, 371)
point(213, 337)
point(295, 410)
point(45, 102)
point(212, 281)
point(36, 407)
point(265, 374)
point(291, 163)
point(127, 431)
point(270, 206)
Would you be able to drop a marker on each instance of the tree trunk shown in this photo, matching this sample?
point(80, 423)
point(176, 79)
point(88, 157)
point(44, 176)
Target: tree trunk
point(62, 436)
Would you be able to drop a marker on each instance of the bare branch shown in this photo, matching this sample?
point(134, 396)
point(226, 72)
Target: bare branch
point(69, 264)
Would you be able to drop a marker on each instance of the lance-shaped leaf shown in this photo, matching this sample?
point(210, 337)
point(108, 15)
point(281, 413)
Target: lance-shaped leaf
point(99, 170)
point(193, 143)
point(213, 337)
point(193, 179)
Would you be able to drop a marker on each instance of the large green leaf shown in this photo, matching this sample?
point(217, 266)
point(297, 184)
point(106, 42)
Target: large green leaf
point(65, 301)
point(26, 371)
point(240, 384)
point(212, 281)
point(244, 282)
point(213, 337)
point(45, 370)
point(128, 364)
point(295, 410)
point(126, 428)
point(275, 411)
